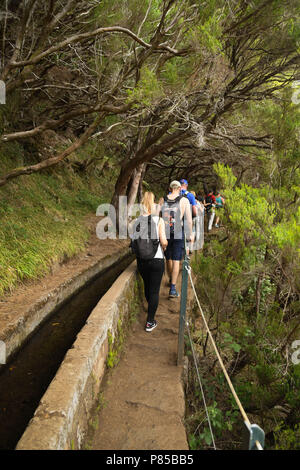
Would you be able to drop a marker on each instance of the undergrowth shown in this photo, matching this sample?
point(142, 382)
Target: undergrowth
point(42, 216)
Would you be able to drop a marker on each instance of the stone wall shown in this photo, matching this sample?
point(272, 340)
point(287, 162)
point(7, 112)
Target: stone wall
point(62, 417)
point(15, 330)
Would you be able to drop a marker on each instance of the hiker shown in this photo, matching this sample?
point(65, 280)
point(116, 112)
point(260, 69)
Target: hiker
point(209, 204)
point(200, 199)
point(190, 195)
point(148, 243)
point(199, 203)
point(220, 202)
point(200, 221)
point(176, 212)
point(197, 221)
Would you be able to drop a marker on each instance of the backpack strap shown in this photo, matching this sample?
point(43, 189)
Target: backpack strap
point(177, 199)
point(150, 223)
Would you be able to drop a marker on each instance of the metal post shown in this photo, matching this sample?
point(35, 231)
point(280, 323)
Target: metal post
point(183, 300)
point(254, 437)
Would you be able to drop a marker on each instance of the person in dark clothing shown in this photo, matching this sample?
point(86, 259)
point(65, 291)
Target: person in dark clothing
point(152, 270)
point(209, 204)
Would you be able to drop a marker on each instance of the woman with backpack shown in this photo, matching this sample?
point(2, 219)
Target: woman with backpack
point(148, 243)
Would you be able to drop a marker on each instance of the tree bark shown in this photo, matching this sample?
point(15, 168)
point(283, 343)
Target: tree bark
point(134, 186)
point(145, 154)
point(140, 189)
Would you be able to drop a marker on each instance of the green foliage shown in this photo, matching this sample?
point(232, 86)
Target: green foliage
point(106, 13)
point(225, 174)
point(239, 284)
point(266, 373)
point(101, 402)
point(211, 30)
point(194, 442)
point(147, 90)
point(206, 35)
point(116, 340)
point(42, 218)
point(230, 343)
point(252, 215)
point(287, 233)
point(287, 439)
point(250, 211)
point(171, 72)
point(115, 345)
point(221, 422)
point(111, 355)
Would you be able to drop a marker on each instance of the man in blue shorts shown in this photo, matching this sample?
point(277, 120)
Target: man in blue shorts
point(177, 215)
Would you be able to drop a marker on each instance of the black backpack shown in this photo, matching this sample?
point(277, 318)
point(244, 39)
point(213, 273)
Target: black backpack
point(143, 246)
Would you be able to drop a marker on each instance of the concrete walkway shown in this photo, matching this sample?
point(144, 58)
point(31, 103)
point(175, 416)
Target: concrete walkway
point(143, 396)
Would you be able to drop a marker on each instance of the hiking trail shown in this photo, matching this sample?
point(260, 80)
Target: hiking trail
point(143, 396)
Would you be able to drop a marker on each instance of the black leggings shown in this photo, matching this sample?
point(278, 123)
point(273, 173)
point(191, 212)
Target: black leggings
point(152, 272)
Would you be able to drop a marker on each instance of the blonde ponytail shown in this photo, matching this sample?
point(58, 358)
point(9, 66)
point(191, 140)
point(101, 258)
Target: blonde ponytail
point(148, 202)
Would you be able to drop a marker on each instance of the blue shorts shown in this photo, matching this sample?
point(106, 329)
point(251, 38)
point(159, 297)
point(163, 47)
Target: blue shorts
point(175, 249)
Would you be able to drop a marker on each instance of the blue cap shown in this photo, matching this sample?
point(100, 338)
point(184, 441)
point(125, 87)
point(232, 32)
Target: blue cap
point(183, 181)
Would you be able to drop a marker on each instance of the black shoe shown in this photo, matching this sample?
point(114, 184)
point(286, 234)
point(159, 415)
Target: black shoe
point(150, 325)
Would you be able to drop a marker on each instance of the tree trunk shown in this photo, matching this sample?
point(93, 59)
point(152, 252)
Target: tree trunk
point(121, 185)
point(140, 189)
point(145, 154)
point(137, 175)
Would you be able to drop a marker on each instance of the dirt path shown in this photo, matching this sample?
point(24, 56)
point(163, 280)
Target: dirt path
point(143, 396)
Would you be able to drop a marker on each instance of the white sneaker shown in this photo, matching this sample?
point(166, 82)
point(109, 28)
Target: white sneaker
point(150, 325)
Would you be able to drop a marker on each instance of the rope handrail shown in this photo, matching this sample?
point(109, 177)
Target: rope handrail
point(238, 402)
point(201, 386)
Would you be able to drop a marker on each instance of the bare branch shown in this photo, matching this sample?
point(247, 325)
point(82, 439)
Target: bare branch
point(28, 170)
point(77, 38)
point(55, 124)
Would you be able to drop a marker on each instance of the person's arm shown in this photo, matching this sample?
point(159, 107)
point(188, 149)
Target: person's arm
point(193, 203)
point(200, 207)
point(162, 234)
point(187, 214)
point(194, 211)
